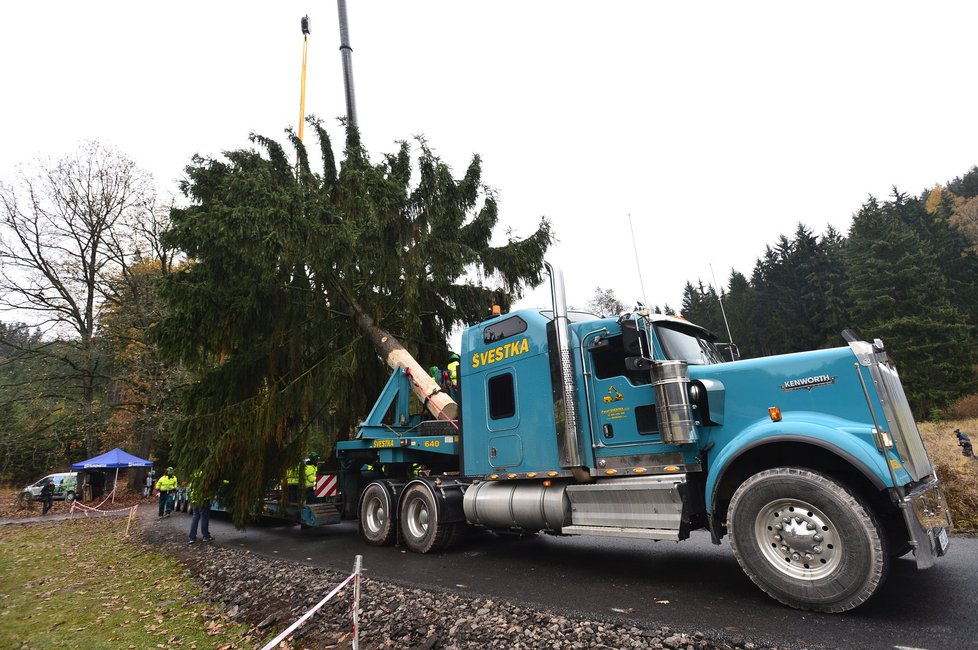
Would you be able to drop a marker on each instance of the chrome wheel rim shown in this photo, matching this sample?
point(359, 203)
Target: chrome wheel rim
point(798, 539)
point(417, 518)
point(376, 515)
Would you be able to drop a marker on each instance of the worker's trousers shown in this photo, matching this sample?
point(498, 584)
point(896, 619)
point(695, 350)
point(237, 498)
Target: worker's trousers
point(166, 501)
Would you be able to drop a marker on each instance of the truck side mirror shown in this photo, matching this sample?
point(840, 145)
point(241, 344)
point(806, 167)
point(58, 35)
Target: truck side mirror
point(732, 350)
point(630, 339)
point(637, 363)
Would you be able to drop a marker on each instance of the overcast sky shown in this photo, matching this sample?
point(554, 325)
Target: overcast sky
point(717, 125)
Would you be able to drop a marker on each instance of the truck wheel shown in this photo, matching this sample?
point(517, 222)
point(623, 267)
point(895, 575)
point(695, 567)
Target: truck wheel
point(376, 527)
point(69, 496)
point(421, 527)
point(806, 540)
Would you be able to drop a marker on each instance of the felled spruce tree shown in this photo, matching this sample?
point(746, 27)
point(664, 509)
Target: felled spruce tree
point(297, 281)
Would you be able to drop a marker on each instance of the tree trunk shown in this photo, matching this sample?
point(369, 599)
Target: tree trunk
point(395, 355)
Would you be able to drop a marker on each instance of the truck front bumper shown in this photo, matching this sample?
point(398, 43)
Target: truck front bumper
point(928, 520)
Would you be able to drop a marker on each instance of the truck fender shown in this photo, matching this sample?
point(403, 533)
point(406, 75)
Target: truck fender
point(446, 492)
point(857, 452)
point(393, 490)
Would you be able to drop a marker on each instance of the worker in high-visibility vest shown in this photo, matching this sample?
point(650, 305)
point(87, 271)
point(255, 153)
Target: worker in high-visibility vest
point(453, 373)
point(200, 508)
point(310, 476)
point(292, 484)
point(166, 486)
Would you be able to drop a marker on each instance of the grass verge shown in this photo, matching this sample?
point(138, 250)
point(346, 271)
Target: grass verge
point(81, 584)
point(958, 475)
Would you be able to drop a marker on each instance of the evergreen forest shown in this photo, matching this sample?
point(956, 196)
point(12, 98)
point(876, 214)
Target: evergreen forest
point(905, 273)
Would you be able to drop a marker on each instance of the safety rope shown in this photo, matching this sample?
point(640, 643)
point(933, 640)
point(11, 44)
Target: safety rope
point(356, 606)
point(98, 507)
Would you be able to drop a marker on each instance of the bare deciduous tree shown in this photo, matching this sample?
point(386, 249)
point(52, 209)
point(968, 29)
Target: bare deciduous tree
point(604, 302)
point(66, 228)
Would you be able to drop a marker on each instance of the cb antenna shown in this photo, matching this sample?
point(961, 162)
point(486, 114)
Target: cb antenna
point(638, 265)
point(723, 312)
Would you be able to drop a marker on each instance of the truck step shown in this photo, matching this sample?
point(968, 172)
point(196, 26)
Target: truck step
point(616, 531)
point(635, 503)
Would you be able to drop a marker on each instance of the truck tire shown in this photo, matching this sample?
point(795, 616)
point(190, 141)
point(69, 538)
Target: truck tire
point(421, 527)
point(806, 540)
point(376, 524)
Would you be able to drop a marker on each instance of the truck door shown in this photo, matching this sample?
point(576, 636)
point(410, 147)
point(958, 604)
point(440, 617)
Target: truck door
point(503, 419)
point(621, 402)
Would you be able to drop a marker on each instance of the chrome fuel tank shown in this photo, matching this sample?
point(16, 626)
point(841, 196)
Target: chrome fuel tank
point(517, 505)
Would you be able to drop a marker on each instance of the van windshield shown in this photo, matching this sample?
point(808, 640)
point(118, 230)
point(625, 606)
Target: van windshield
point(687, 343)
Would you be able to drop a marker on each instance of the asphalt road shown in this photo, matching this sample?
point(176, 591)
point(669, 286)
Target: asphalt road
point(690, 586)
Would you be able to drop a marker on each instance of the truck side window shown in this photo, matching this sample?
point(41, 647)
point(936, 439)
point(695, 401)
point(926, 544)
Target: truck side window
point(503, 329)
point(502, 397)
point(609, 361)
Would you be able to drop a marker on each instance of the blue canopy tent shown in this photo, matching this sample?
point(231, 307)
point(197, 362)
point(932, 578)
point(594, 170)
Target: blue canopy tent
point(112, 459)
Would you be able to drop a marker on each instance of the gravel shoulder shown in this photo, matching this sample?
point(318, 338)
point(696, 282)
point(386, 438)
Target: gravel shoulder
point(269, 594)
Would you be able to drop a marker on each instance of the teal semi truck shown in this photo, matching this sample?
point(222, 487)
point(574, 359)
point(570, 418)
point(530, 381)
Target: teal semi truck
point(638, 427)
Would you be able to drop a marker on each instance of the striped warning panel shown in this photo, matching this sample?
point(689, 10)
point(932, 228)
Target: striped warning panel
point(326, 485)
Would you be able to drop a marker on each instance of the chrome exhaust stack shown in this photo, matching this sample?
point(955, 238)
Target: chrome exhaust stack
point(670, 380)
point(568, 443)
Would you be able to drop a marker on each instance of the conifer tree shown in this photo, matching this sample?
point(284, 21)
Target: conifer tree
point(831, 281)
point(738, 302)
point(702, 306)
point(295, 280)
point(900, 296)
point(935, 218)
point(800, 295)
point(965, 186)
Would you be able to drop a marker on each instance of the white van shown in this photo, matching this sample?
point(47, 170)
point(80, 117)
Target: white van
point(65, 485)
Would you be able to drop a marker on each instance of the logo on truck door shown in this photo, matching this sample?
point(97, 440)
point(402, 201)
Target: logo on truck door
point(613, 395)
point(500, 353)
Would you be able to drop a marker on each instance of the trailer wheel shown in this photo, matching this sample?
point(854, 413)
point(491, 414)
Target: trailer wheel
point(421, 526)
point(806, 540)
point(376, 526)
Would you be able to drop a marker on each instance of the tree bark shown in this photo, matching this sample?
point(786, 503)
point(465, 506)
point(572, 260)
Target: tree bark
point(395, 355)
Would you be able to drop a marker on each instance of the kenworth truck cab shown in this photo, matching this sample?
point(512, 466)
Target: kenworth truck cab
point(637, 427)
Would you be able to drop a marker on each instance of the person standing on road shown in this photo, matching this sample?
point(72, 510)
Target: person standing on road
point(166, 485)
point(309, 479)
point(47, 496)
point(200, 508)
point(148, 489)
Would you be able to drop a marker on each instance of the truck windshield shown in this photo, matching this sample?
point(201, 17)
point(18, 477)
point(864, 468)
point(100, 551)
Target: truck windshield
point(689, 344)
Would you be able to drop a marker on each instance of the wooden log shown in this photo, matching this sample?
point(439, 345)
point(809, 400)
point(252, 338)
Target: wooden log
point(438, 403)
